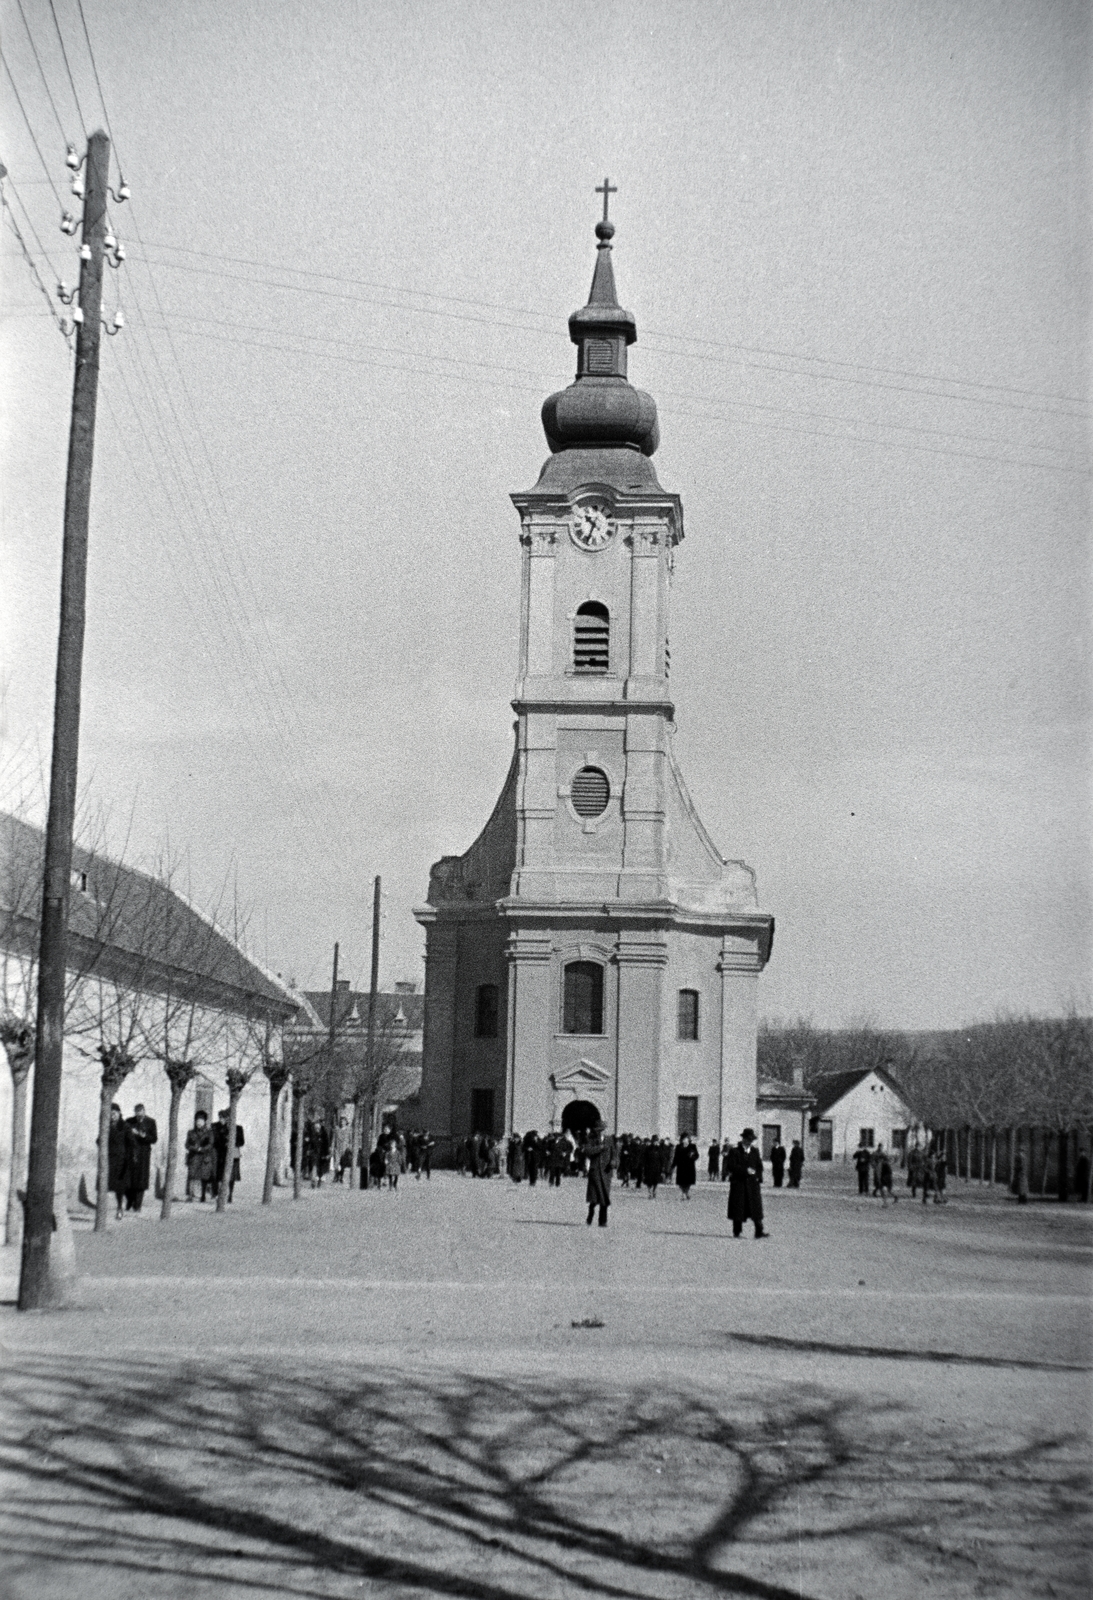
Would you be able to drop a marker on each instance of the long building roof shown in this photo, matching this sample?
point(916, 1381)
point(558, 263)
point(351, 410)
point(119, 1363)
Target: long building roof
point(131, 927)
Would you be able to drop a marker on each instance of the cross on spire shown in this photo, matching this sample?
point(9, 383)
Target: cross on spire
point(607, 189)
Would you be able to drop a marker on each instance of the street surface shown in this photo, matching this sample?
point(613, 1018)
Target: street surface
point(458, 1389)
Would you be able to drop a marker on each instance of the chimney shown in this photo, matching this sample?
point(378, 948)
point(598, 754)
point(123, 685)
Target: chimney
point(799, 1078)
point(343, 985)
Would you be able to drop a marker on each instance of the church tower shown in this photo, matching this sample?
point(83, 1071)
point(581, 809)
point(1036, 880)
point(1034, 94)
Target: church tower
point(592, 953)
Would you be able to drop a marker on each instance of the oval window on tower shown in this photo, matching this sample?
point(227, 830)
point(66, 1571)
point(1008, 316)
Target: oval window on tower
point(590, 792)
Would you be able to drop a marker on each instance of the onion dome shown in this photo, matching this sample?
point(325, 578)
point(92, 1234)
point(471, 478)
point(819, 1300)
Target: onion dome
point(601, 408)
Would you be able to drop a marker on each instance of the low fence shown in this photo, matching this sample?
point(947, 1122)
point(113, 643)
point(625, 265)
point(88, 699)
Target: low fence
point(986, 1155)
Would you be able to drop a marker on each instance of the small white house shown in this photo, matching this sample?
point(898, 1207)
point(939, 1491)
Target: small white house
point(855, 1108)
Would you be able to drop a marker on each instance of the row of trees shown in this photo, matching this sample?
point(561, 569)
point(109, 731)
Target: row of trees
point(1017, 1071)
point(150, 978)
point(985, 1091)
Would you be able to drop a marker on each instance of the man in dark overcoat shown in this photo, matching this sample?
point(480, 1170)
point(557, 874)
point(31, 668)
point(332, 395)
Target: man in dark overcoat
point(777, 1163)
point(600, 1155)
point(532, 1156)
point(745, 1177)
point(142, 1136)
point(796, 1162)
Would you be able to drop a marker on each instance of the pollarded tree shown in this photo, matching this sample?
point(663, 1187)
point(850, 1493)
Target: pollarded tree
point(182, 1024)
point(18, 1041)
point(117, 1064)
point(180, 1074)
point(237, 1078)
point(93, 911)
point(266, 1041)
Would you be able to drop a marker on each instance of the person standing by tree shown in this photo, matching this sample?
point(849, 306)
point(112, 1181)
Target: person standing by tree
point(119, 1153)
point(200, 1156)
point(777, 1162)
point(796, 1162)
point(142, 1136)
point(220, 1144)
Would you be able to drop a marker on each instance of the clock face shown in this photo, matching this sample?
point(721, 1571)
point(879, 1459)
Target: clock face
point(591, 527)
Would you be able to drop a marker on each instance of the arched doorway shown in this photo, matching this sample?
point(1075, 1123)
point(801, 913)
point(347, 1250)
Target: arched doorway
point(579, 1116)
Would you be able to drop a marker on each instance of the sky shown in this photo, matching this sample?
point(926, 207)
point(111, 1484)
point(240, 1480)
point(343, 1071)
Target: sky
point(855, 239)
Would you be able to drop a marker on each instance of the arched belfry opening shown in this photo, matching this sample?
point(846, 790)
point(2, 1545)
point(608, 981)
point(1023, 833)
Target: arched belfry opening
point(592, 638)
point(592, 953)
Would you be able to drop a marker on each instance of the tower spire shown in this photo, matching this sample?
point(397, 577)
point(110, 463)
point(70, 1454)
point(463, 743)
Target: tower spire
point(600, 407)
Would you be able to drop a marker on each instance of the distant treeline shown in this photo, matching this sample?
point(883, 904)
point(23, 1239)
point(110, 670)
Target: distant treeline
point(984, 1090)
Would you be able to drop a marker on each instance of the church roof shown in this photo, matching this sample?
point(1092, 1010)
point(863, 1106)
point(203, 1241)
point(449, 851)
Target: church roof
point(601, 408)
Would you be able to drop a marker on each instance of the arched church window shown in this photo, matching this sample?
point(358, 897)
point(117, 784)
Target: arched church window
point(592, 638)
point(485, 1011)
point(582, 1001)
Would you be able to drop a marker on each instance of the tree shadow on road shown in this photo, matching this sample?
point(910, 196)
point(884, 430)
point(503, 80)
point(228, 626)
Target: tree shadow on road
point(265, 1477)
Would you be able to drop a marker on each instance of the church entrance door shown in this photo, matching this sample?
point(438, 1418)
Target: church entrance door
point(579, 1116)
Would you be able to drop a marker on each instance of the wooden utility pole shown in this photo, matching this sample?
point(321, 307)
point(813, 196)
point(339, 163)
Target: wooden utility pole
point(35, 1287)
point(372, 988)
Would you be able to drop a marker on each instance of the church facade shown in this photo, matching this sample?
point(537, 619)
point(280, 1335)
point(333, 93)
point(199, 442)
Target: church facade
point(592, 954)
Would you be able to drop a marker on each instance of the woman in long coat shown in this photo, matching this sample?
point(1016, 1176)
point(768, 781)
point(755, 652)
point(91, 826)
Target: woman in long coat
point(745, 1176)
point(650, 1166)
point(685, 1162)
point(118, 1155)
point(200, 1156)
point(597, 1193)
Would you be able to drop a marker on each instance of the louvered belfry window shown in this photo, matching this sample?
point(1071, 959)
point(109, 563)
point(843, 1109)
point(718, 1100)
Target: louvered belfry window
point(590, 792)
point(591, 638)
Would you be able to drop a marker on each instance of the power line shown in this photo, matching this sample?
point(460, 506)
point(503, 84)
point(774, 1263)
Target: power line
point(670, 338)
point(68, 69)
point(98, 82)
point(42, 75)
point(31, 264)
point(30, 130)
point(667, 394)
point(285, 712)
point(30, 223)
point(452, 377)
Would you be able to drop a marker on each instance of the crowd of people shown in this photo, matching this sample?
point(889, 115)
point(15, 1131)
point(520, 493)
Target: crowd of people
point(644, 1163)
point(391, 1157)
point(130, 1141)
point(926, 1170)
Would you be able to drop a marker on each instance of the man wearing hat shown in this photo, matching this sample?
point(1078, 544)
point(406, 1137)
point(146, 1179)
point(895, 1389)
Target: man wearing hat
point(601, 1155)
point(745, 1177)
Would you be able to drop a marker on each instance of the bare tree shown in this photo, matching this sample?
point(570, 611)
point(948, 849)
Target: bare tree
point(189, 954)
point(117, 1064)
point(267, 1041)
point(18, 1041)
point(92, 916)
point(237, 1078)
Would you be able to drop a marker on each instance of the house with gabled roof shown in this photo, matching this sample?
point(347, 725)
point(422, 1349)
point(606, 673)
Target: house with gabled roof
point(399, 1025)
point(867, 1106)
